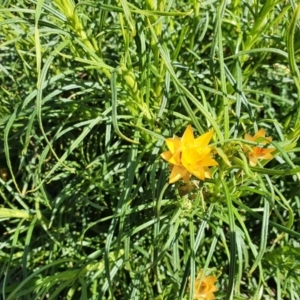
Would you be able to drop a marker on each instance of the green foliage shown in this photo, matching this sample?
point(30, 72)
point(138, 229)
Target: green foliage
point(89, 92)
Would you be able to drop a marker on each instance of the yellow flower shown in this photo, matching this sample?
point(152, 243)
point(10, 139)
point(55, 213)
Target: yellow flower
point(256, 153)
point(189, 156)
point(205, 289)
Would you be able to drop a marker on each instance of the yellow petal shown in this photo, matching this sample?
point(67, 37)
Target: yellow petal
point(196, 170)
point(171, 158)
point(204, 151)
point(260, 136)
point(186, 177)
point(259, 133)
point(176, 159)
point(188, 136)
point(177, 173)
point(207, 162)
point(268, 154)
point(205, 289)
point(262, 153)
point(194, 157)
point(189, 156)
point(269, 139)
point(253, 160)
point(256, 153)
point(207, 172)
point(173, 144)
point(204, 139)
point(166, 155)
point(248, 137)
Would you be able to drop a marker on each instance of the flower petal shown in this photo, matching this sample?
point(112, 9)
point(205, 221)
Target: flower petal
point(203, 140)
point(197, 171)
point(204, 289)
point(166, 155)
point(248, 137)
point(176, 159)
point(188, 136)
point(194, 157)
point(177, 173)
point(253, 160)
point(186, 177)
point(259, 133)
point(207, 162)
point(262, 152)
point(173, 144)
point(255, 153)
point(189, 156)
point(207, 172)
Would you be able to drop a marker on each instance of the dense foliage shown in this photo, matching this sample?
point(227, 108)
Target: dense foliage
point(89, 93)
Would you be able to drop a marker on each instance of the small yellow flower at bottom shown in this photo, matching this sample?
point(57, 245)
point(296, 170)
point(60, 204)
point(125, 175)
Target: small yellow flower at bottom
point(189, 156)
point(255, 153)
point(205, 289)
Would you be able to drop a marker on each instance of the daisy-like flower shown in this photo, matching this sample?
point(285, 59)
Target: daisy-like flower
point(205, 289)
point(255, 153)
point(189, 156)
